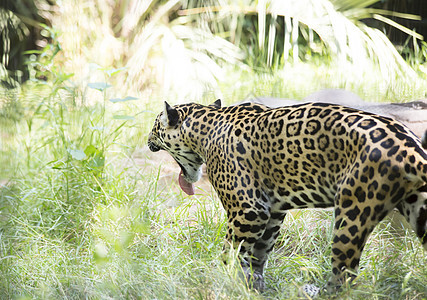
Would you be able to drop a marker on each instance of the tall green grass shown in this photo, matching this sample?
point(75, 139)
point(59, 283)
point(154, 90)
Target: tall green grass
point(85, 214)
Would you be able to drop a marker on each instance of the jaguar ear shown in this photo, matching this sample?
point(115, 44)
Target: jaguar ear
point(217, 104)
point(170, 116)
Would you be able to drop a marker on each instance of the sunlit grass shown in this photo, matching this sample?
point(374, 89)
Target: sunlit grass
point(72, 229)
point(125, 244)
point(85, 213)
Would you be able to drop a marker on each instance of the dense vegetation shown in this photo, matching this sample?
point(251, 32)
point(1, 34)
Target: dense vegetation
point(87, 212)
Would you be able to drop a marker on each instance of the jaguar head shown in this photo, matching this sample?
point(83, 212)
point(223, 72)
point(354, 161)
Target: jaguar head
point(167, 134)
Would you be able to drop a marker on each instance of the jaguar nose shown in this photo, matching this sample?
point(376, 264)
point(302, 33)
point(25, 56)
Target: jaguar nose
point(151, 145)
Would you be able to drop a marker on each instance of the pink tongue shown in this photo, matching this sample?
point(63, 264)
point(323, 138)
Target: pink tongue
point(186, 186)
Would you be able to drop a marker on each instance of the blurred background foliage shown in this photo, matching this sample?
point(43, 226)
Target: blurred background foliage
point(186, 48)
point(86, 213)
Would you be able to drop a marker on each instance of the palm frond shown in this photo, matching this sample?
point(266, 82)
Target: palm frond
point(349, 39)
point(154, 38)
point(182, 59)
point(159, 47)
point(345, 5)
point(398, 26)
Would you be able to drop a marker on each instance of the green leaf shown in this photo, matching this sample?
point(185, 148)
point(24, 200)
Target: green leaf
point(77, 154)
point(32, 52)
point(63, 77)
point(57, 165)
point(90, 150)
point(122, 117)
point(114, 71)
point(100, 86)
point(128, 98)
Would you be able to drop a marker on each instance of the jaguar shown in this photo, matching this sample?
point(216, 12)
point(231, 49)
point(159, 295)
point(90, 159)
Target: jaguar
point(263, 162)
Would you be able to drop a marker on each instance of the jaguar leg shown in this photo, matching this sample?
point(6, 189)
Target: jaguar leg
point(414, 209)
point(265, 244)
point(254, 231)
point(353, 225)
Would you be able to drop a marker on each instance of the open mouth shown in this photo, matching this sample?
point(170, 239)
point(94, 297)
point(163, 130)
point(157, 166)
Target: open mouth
point(185, 185)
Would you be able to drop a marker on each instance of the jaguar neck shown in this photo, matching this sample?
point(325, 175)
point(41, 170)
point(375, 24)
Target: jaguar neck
point(199, 127)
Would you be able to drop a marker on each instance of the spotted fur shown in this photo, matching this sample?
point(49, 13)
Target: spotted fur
point(263, 162)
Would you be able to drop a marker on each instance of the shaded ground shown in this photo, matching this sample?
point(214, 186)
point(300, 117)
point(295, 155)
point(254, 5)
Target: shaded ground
point(168, 169)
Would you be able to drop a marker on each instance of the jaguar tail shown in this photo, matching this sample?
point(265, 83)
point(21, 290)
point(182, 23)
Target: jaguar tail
point(424, 140)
